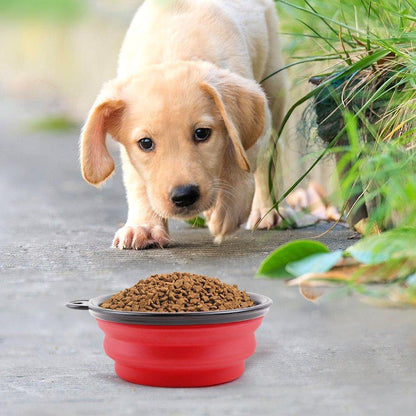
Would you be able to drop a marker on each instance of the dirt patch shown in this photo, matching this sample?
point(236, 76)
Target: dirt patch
point(179, 292)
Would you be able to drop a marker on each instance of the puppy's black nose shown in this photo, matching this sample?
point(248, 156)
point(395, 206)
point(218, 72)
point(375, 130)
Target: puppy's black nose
point(183, 196)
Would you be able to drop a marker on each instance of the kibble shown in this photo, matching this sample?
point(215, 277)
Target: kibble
point(179, 292)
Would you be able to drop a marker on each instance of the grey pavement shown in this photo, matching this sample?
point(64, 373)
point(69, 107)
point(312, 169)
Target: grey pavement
point(338, 358)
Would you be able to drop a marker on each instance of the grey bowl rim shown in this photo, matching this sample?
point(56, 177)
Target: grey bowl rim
point(263, 304)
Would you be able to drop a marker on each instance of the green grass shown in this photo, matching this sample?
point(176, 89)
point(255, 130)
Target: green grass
point(42, 9)
point(367, 63)
point(362, 55)
point(52, 123)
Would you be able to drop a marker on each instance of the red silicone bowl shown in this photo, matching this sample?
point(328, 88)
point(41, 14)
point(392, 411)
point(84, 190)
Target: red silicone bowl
point(189, 349)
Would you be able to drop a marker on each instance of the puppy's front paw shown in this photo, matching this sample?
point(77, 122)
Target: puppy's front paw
point(269, 221)
point(222, 223)
point(138, 237)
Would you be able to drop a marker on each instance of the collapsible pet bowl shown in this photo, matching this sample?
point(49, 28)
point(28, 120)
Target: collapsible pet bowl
point(181, 349)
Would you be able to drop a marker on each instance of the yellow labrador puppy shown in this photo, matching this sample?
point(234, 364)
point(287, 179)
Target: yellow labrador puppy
point(190, 116)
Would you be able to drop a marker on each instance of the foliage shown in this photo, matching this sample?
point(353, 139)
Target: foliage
point(53, 123)
point(42, 9)
point(398, 243)
point(388, 259)
point(316, 263)
point(275, 264)
point(369, 88)
point(197, 222)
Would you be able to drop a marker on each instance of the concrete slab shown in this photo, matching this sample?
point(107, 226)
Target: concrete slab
point(339, 358)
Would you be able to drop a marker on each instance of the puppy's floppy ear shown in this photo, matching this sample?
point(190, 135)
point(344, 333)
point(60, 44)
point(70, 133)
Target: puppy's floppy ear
point(105, 116)
point(243, 107)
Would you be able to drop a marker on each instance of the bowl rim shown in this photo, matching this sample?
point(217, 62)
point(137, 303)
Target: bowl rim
point(261, 307)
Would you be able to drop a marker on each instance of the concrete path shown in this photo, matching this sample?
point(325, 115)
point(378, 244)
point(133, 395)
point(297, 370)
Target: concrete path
point(339, 358)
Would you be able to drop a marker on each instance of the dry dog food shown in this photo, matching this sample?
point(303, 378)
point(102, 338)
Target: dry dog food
point(179, 292)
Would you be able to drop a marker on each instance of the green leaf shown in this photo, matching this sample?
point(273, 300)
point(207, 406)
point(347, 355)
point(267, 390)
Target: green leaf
point(393, 244)
point(316, 263)
point(197, 222)
point(274, 264)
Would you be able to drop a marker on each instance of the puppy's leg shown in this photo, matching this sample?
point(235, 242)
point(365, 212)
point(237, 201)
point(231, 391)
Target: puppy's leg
point(144, 228)
point(261, 215)
point(276, 91)
point(235, 193)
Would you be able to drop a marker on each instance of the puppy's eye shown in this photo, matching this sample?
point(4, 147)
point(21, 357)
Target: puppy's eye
point(201, 135)
point(146, 144)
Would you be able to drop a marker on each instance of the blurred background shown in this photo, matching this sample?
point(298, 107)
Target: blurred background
point(56, 54)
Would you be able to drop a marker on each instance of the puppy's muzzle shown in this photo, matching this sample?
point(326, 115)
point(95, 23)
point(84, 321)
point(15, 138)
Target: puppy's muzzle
point(184, 196)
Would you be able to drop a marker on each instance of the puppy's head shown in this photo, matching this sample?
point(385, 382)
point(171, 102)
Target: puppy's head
point(181, 124)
